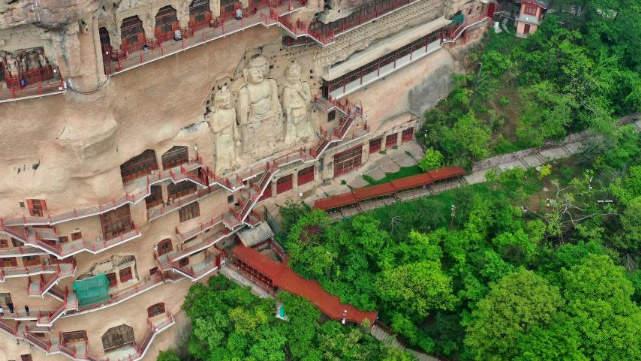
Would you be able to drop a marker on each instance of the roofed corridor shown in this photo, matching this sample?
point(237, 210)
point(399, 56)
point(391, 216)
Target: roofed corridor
point(273, 276)
point(325, 34)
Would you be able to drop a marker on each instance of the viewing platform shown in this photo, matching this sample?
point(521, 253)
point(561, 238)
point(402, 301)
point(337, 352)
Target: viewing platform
point(137, 190)
point(201, 269)
point(63, 250)
point(263, 12)
point(61, 270)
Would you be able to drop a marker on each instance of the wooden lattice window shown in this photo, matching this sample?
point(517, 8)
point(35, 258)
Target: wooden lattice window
point(305, 175)
point(113, 280)
point(284, 184)
point(199, 11)
point(407, 135)
point(4, 243)
point(227, 6)
point(125, 274)
point(391, 140)
point(155, 197)
point(375, 145)
point(181, 189)
point(189, 211)
point(166, 20)
point(175, 156)
point(74, 336)
point(8, 262)
point(30, 261)
point(155, 310)
point(183, 262)
point(26, 357)
point(530, 9)
point(36, 207)
point(347, 160)
point(132, 32)
point(164, 247)
point(117, 337)
point(139, 166)
point(76, 236)
point(63, 239)
point(116, 222)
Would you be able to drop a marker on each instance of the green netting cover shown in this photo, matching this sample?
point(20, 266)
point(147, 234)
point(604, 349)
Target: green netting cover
point(92, 290)
point(458, 19)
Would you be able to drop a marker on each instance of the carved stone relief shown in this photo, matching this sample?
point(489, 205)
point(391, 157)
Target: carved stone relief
point(226, 136)
point(297, 97)
point(259, 111)
point(253, 115)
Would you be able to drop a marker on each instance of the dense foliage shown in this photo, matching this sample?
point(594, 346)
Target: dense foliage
point(581, 70)
point(519, 273)
point(230, 323)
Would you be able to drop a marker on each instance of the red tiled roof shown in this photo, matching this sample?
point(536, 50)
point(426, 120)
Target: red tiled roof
point(374, 191)
point(335, 201)
point(396, 185)
point(445, 173)
point(286, 279)
point(412, 182)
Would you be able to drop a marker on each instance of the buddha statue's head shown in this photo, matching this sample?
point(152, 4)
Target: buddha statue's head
point(222, 99)
point(256, 70)
point(293, 73)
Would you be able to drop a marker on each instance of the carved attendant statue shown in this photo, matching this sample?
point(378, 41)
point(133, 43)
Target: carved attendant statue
point(259, 110)
point(12, 66)
point(296, 100)
point(42, 59)
point(32, 60)
point(223, 124)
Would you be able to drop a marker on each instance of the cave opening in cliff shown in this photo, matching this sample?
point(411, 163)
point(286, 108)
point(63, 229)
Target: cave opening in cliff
point(117, 337)
point(175, 156)
point(116, 222)
point(155, 197)
point(105, 41)
point(132, 34)
point(139, 166)
point(166, 23)
point(199, 13)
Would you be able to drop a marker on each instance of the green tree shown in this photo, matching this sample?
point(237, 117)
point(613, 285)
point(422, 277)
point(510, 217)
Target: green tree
point(547, 114)
point(169, 355)
point(599, 301)
point(433, 159)
point(417, 288)
point(515, 305)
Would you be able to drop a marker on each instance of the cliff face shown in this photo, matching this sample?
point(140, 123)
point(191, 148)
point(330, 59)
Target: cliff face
point(48, 14)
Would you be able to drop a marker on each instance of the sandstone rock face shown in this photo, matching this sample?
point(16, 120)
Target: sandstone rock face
point(48, 14)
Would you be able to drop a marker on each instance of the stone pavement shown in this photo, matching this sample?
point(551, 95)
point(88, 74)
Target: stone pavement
point(378, 165)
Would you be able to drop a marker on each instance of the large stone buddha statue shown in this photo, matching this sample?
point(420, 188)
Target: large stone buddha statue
point(259, 111)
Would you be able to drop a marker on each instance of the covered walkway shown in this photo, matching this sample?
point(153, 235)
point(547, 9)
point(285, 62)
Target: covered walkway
point(278, 276)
